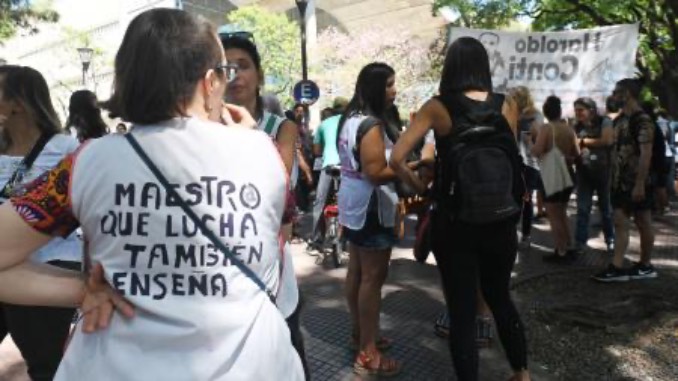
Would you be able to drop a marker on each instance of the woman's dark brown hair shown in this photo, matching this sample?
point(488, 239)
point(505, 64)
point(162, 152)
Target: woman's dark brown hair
point(467, 67)
point(28, 87)
point(85, 115)
point(164, 53)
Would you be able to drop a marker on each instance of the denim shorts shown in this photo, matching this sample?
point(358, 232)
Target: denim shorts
point(372, 235)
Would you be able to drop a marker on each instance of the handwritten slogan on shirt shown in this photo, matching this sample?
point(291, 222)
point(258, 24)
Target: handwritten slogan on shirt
point(178, 265)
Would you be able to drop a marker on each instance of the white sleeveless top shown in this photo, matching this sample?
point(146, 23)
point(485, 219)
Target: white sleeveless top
point(288, 295)
point(355, 189)
point(198, 317)
point(270, 124)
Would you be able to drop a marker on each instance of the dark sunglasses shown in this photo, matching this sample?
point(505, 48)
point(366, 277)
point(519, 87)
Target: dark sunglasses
point(244, 35)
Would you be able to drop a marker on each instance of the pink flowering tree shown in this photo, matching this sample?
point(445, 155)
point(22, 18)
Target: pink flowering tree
point(339, 57)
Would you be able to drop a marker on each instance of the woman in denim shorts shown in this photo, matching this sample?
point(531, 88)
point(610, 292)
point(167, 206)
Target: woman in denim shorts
point(367, 209)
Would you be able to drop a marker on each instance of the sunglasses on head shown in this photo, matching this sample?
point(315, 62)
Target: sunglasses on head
point(245, 35)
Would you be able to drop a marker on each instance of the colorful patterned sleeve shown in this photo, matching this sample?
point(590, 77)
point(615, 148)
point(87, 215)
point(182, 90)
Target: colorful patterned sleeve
point(45, 202)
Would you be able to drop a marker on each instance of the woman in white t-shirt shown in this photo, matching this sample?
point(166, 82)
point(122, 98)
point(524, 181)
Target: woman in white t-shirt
point(200, 313)
point(33, 144)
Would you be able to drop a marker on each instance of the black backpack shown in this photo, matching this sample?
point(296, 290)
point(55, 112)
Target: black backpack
point(658, 164)
point(479, 179)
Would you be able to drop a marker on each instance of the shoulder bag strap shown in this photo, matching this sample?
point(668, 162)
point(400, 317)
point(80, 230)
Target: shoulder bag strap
point(196, 220)
point(26, 164)
point(364, 127)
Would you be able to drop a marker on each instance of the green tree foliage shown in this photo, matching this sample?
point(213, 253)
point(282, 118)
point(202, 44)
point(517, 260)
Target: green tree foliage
point(484, 14)
point(18, 15)
point(658, 21)
point(278, 42)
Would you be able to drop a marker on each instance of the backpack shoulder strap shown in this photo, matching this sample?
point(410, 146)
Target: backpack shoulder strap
point(363, 128)
point(447, 102)
point(497, 101)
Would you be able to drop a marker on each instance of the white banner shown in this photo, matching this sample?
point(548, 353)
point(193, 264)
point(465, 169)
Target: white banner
point(570, 64)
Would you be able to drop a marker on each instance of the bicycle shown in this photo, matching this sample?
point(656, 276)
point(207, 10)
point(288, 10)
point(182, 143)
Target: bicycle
point(331, 243)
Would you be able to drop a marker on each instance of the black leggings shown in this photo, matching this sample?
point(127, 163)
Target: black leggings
point(294, 324)
point(465, 253)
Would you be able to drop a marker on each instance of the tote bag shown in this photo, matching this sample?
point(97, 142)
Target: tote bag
point(554, 171)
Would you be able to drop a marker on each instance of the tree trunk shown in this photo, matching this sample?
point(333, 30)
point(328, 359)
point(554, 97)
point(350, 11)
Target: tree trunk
point(665, 85)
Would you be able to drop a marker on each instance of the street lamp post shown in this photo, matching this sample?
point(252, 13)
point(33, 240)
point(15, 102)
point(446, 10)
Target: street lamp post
point(301, 5)
point(86, 59)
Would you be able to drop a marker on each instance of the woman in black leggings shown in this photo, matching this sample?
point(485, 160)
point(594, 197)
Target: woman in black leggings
point(468, 255)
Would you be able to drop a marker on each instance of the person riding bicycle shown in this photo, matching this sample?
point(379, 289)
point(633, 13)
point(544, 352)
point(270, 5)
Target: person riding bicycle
point(324, 144)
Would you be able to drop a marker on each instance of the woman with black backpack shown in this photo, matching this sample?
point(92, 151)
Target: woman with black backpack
point(467, 213)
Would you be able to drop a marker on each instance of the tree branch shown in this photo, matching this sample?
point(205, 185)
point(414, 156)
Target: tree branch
point(673, 5)
point(670, 19)
point(589, 11)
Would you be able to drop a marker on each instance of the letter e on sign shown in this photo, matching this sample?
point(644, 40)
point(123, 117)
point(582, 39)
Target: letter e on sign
point(306, 92)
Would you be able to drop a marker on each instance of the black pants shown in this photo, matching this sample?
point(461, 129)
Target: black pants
point(465, 254)
point(39, 332)
point(533, 183)
point(294, 323)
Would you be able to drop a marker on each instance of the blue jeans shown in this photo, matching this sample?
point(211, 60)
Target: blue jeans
point(586, 185)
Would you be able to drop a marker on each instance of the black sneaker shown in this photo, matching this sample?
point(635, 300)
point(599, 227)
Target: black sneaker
point(612, 274)
point(641, 271)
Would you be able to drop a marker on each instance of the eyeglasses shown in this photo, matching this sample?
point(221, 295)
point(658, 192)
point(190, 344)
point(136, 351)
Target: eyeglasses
point(244, 35)
point(230, 69)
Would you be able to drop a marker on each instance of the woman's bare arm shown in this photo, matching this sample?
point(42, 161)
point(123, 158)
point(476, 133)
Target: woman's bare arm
point(28, 283)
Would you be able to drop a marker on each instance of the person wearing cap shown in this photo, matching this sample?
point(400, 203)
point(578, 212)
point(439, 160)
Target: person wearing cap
point(596, 136)
point(325, 145)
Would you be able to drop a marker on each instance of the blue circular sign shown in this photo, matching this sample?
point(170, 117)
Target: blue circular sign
point(306, 92)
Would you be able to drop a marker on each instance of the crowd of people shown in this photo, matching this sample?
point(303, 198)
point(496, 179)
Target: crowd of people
point(182, 223)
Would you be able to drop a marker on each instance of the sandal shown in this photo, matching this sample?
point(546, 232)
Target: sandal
point(385, 367)
point(382, 344)
point(484, 333)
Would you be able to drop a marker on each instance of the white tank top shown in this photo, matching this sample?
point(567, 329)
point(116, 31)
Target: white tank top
point(198, 317)
point(270, 124)
point(288, 296)
point(355, 189)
